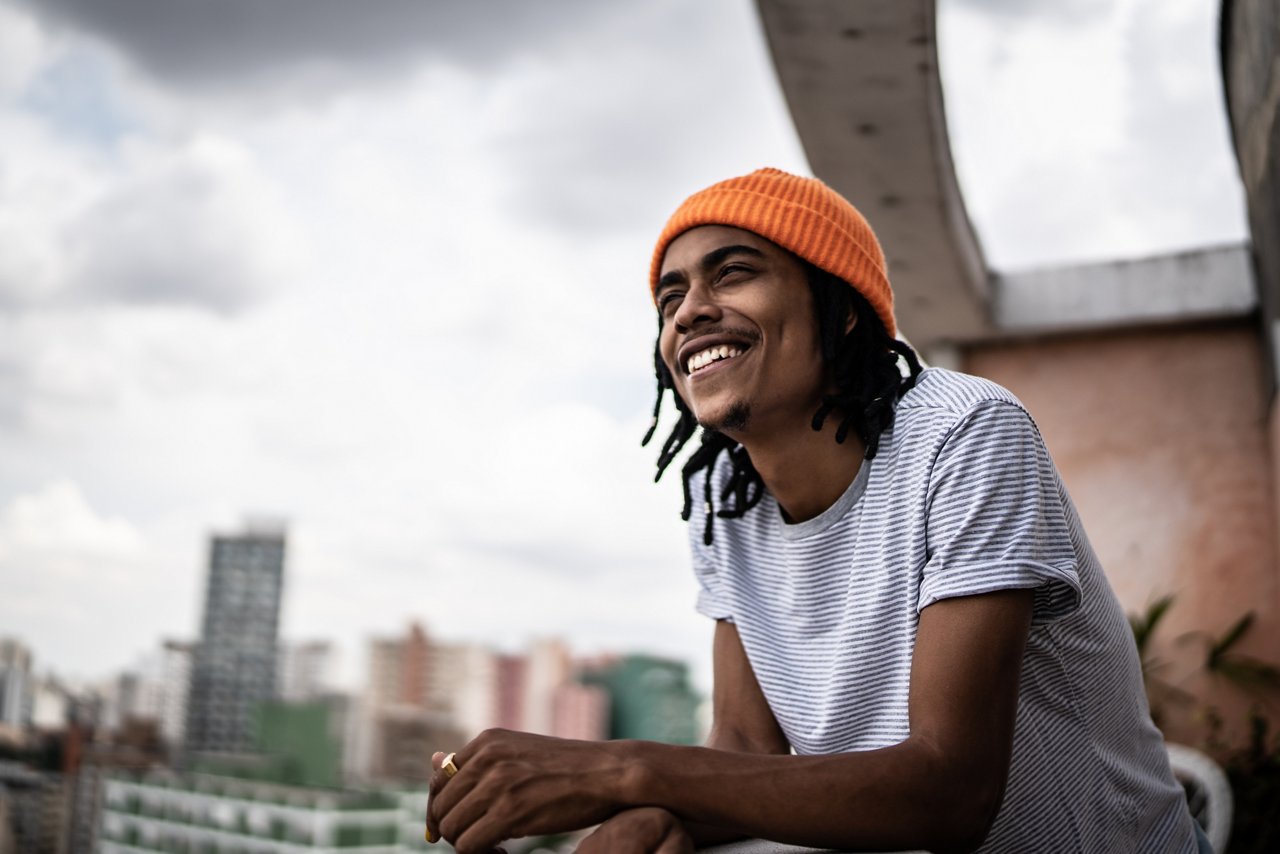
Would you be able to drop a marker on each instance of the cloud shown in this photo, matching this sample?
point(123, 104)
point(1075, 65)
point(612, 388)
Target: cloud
point(596, 138)
point(191, 43)
point(87, 588)
point(57, 521)
point(23, 48)
point(1100, 141)
point(1020, 12)
point(196, 224)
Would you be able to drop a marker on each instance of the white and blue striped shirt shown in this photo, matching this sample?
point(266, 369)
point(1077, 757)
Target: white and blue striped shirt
point(961, 499)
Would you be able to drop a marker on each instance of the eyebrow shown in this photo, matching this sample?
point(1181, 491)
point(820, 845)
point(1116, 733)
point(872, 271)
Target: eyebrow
point(711, 259)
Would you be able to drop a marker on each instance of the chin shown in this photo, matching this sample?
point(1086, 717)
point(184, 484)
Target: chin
point(733, 418)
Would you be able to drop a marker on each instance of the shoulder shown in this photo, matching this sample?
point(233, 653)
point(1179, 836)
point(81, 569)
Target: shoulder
point(949, 415)
point(944, 392)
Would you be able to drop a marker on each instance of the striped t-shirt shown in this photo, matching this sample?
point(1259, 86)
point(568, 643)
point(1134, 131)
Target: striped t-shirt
point(961, 499)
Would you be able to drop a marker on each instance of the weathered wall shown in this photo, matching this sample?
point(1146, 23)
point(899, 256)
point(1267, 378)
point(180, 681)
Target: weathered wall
point(1162, 438)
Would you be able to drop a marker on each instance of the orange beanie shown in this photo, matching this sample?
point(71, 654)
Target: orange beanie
point(803, 216)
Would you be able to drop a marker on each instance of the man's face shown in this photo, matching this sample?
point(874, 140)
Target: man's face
point(738, 332)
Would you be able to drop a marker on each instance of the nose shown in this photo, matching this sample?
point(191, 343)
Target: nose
point(697, 308)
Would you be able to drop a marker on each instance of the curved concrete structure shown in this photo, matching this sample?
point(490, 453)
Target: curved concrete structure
point(1250, 50)
point(861, 79)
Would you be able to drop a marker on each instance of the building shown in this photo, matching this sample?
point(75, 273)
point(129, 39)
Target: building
point(421, 692)
point(402, 741)
point(454, 681)
point(16, 689)
point(649, 698)
point(581, 712)
point(35, 804)
point(304, 670)
point(174, 686)
point(508, 703)
point(50, 704)
point(305, 738)
point(135, 747)
point(165, 812)
point(547, 668)
point(285, 796)
point(234, 665)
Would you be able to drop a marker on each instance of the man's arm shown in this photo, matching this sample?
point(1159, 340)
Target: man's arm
point(938, 789)
point(741, 722)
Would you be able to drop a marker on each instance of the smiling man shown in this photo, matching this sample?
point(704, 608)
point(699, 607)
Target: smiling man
point(915, 646)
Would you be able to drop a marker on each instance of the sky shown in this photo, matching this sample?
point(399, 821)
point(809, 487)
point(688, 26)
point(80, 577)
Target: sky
point(379, 270)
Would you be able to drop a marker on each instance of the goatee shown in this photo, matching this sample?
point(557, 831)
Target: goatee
point(736, 418)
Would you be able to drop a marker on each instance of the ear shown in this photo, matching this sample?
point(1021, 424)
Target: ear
point(850, 321)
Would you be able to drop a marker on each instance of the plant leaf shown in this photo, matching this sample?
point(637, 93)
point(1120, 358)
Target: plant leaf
point(1222, 645)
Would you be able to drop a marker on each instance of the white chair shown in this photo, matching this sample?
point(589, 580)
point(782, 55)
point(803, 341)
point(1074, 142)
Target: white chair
point(1208, 792)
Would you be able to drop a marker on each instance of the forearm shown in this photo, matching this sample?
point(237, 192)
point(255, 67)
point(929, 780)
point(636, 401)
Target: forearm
point(764, 740)
point(902, 796)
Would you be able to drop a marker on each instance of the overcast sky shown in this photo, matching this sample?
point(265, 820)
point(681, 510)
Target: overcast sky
point(380, 268)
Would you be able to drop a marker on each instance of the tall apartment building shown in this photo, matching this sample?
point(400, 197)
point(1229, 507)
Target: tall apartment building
point(16, 693)
point(420, 693)
point(234, 665)
point(452, 680)
point(174, 678)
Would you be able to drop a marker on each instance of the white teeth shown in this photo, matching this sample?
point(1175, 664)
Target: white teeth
point(705, 357)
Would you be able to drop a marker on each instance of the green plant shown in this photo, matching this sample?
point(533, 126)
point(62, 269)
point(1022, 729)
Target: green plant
point(1144, 627)
point(1254, 773)
point(1242, 670)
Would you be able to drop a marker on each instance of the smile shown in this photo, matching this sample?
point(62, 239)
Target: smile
point(711, 355)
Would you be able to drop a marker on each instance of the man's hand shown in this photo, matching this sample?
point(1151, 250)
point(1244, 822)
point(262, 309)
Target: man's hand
point(513, 784)
point(646, 830)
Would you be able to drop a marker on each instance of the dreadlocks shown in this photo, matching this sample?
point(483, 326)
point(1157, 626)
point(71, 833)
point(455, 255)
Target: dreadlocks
point(864, 368)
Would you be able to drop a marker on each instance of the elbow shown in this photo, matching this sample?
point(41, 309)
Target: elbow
point(961, 837)
point(962, 809)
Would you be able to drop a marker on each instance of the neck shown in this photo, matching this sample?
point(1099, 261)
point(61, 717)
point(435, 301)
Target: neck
point(805, 470)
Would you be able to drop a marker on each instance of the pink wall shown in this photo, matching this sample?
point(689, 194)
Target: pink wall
point(1164, 441)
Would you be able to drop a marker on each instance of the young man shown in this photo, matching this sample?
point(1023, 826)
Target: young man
point(915, 647)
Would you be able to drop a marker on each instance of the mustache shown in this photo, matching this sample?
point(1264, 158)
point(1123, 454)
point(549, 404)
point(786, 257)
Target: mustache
point(749, 335)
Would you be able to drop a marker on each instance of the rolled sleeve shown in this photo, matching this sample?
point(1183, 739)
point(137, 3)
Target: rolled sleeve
point(996, 516)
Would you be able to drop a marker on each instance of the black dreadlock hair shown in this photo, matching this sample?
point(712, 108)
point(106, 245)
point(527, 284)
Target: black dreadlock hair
point(864, 367)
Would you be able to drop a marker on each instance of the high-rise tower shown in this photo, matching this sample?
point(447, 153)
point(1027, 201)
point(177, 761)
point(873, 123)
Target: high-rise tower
point(234, 666)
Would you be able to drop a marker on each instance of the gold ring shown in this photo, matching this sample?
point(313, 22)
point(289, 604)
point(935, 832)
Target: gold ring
point(448, 767)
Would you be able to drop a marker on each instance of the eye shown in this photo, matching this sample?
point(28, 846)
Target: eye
point(731, 269)
point(668, 302)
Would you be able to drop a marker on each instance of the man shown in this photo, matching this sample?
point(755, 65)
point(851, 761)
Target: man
point(915, 646)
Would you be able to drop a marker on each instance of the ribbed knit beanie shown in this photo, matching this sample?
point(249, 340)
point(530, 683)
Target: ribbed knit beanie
point(803, 216)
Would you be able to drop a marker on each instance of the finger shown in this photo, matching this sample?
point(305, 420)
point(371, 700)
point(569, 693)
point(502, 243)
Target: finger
point(449, 792)
point(460, 806)
point(675, 842)
point(483, 833)
point(437, 801)
point(437, 781)
point(607, 843)
point(594, 843)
